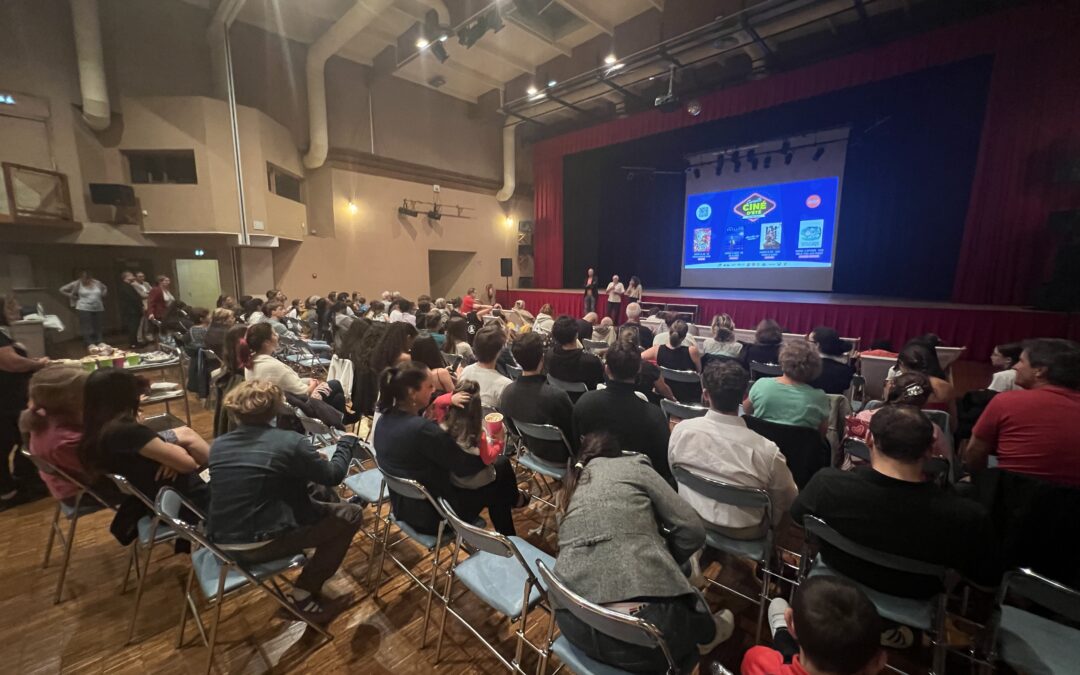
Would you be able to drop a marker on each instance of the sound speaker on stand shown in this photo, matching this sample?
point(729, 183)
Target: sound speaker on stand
point(506, 267)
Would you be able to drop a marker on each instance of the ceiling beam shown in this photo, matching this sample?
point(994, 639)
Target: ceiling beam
point(468, 72)
point(658, 4)
point(525, 30)
point(448, 90)
point(587, 15)
point(507, 58)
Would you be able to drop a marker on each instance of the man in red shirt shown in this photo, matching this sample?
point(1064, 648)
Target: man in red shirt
point(468, 301)
point(1032, 430)
point(837, 629)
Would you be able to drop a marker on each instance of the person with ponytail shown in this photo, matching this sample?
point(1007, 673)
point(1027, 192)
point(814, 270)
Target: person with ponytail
point(53, 420)
point(413, 447)
point(624, 534)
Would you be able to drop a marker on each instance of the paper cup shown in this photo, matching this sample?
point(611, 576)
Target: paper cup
point(493, 424)
point(89, 366)
point(133, 359)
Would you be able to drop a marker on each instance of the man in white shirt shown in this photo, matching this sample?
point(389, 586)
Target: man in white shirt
point(720, 446)
point(486, 346)
point(274, 313)
point(615, 292)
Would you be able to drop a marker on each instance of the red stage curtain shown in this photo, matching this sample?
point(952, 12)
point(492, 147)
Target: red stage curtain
point(1032, 103)
point(977, 328)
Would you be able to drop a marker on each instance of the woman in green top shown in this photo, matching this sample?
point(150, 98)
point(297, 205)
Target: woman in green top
point(789, 399)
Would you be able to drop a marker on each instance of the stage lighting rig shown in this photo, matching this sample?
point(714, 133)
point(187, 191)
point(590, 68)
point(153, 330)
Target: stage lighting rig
point(471, 33)
point(434, 214)
point(719, 164)
point(818, 153)
point(404, 210)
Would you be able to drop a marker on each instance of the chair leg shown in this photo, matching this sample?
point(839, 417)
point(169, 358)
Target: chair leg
point(763, 602)
point(377, 569)
point(67, 556)
point(217, 617)
point(446, 606)
point(52, 535)
point(132, 561)
point(140, 583)
point(184, 607)
point(431, 586)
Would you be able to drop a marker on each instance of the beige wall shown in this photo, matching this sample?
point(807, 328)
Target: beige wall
point(376, 249)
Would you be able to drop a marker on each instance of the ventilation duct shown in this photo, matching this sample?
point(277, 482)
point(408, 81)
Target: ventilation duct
point(509, 166)
point(95, 90)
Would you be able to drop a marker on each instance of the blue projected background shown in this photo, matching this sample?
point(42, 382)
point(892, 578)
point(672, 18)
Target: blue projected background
point(784, 225)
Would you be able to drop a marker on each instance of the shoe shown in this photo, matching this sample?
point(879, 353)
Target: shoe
point(697, 578)
point(524, 498)
point(350, 418)
point(725, 626)
point(777, 608)
point(312, 610)
point(898, 637)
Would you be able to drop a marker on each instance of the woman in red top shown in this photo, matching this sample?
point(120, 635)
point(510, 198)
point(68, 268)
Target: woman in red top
point(160, 299)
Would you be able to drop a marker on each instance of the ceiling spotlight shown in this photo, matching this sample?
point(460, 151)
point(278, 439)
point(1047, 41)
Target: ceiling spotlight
point(768, 161)
point(353, 208)
point(439, 51)
point(443, 37)
point(531, 91)
point(509, 222)
point(434, 214)
point(818, 153)
point(719, 164)
point(552, 83)
point(422, 43)
point(610, 59)
point(788, 157)
point(697, 172)
point(406, 211)
point(737, 164)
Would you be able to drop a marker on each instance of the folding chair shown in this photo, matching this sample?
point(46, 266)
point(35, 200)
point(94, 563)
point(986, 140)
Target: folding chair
point(1031, 643)
point(219, 575)
point(322, 436)
point(72, 513)
point(759, 370)
point(573, 388)
point(624, 627)
point(595, 346)
point(150, 533)
point(682, 411)
point(547, 433)
point(758, 550)
point(683, 377)
point(514, 372)
point(298, 355)
point(451, 360)
point(497, 570)
point(926, 615)
point(874, 370)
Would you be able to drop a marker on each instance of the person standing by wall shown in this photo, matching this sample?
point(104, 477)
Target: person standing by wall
point(591, 288)
point(615, 291)
point(87, 296)
point(131, 308)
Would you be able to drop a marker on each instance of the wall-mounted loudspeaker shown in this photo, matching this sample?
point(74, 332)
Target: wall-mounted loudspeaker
point(507, 266)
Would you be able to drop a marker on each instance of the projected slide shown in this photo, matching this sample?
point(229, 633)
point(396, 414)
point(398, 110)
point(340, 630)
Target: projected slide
point(779, 226)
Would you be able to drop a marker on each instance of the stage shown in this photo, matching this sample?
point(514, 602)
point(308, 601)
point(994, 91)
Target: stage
point(977, 327)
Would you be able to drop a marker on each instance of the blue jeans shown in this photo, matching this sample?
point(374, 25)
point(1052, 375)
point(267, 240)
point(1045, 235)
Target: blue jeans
point(90, 327)
point(590, 303)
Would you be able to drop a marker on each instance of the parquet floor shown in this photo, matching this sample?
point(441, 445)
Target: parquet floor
point(86, 632)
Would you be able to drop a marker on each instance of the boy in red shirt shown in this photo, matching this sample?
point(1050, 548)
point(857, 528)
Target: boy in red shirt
point(837, 628)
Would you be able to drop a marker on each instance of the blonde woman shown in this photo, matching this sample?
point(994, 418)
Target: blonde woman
point(722, 343)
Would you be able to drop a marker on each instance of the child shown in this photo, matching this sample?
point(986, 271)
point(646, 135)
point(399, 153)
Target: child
point(908, 389)
point(462, 416)
point(53, 419)
point(832, 629)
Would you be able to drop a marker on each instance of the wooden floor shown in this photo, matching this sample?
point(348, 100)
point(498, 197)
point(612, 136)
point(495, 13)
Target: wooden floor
point(86, 632)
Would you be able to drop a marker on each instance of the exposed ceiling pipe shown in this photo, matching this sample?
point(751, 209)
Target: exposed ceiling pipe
point(509, 166)
point(329, 43)
point(224, 16)
point(95, 90)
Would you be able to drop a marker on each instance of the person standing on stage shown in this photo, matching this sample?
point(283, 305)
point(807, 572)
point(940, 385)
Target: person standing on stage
point(615, 291)
point(591, 288)
point(634, 290)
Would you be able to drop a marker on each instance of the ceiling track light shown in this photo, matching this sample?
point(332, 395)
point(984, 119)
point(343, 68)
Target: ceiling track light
point(434, 214)
point(404, 209)
point(818, 153)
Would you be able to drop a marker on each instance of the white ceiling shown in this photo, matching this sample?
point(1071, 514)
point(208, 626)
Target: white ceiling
point(494, 60)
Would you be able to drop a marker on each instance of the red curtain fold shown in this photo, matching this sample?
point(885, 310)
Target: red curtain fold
point(1034, 94)
point(978, 329)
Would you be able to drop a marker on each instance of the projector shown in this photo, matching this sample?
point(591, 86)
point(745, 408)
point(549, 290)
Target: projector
point(665, 100)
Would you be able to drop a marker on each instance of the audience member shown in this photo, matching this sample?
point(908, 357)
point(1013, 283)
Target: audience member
point(131, 309)
point(457, 338)
point(377, 312)
point(487, 345)
point(427, 352)
point(766, 348)
point(413, 447)
point(919, 356)
point(461, 414)
point(531, 399)
point(260, 508)
point(259, 346)
point(519, 307)
point(1004, 359)
point(431, 322)
point(200, 325)
point(16, 369)
point(468, 302)
point(908, 389)
point(889, 507)
point(567, 360)
point(836, 371)
point(393, 347)
point(789, 399)
point(722, 343)
point(253, 311)
point(661, 338)
point(633, 318)
point(617, 409)
point(544, 319)
point(605, 332)
point(623, 535)
point(832, 628)
point(221, 320)
point(649, 380)
point(720, 447)
point(230, 374)
point(1031, 430)
point(615, 290)
point(678, 354)
point(274, 312)
point(586, 324)
point(403, 312)
point(53, 421)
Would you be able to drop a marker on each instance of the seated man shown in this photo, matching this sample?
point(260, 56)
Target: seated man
point(889, 507)
point(260, 509)
point(567, 360)
point(488, 343)
point(638, 425)
point(274, 312)
point(531, 399)
point(1032, 430)
point(633, 319)
point(720, 447)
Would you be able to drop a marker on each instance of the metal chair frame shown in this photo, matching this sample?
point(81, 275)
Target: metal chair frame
point(596, 347)
point(758, 370)
point(137, 547)
point(298, 355)
point(616, 624)
point(167, 507)
point(490, 543)
point(548, 433)
point(77, 510)
point(568, 387)
point(451, 360)
point(1044, 592)
point(681, 411)
point(737, 495)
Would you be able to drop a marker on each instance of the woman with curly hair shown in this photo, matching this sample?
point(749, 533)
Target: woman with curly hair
point(789, 399)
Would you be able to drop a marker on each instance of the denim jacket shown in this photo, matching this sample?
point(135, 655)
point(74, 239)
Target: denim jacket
point(259, 479)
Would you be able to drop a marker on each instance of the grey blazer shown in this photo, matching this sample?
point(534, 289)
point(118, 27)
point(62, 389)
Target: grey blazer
point(611, 547)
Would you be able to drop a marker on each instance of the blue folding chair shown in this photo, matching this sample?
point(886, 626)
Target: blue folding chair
point(1033, 643)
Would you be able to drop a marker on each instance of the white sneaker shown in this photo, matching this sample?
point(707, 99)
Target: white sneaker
point(777, 607)
point(725, 626)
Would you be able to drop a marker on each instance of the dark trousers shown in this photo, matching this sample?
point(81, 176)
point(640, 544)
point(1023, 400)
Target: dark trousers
point(785, 643)
point(499, 497)
point(590, 303)
point(330, 536)
point(90, 327)
point(131, 322)
point(683, 626)
point(336, 397)
point(10, 438)
point(614, 309)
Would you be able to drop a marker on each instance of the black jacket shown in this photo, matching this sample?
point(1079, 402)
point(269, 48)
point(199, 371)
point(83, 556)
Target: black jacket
point(259, 482)
point(835, 377)
point(531, 399)
point(130, 301)
point(575, 365)
point(640, 426)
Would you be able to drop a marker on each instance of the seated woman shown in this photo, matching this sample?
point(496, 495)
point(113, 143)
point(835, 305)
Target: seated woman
point(544, 319)
point(678, 354)
point(789, 399)
point(605, 332)
point(519, 307)
point(623, 534)
point(722, 343)
point(411, 446)
point(53, 420)
point(221, 320)
point(766, 347)
point(918, 356)
point(457, 339)
point(426, 351)
point(836, 371)
point(114, 441)
point(230, 374)
point(1003, 359)
point(908, 389)
point(200, 326)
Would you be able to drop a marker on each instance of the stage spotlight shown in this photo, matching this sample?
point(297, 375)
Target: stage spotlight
point(422, 43)
point(697, 172)
point(531, 91)
point(768, 161)
point(751, 157)
point(818, 153)
point(353, 208)
point(719, 165)
point(738, 165)
point(439, 50)
point(404, 210)
point(788, 157)
point(610, 60)
point(434, 214)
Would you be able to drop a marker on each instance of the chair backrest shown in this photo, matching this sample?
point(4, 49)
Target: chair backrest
point(949, 355)
point(856, 447)
point(688, 376)
point(50, 469)
point(874, 370)
point(940, 418)
point(568, 387)
point(451, 360)
point(125, 487)
point(483, 540)
point(594, 346)
point(620, 626)
point(817, 528)
point(804, 448)
point(1047, 593)
point(406, 487)
point(682, 411)
point(514, 372)
point(764, 370)
point(543, 432)
point(725, 493)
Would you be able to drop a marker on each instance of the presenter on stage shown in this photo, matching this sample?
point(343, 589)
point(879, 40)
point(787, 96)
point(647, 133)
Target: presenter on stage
point(634, 290)
point(591, 288)
point(615, 291)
